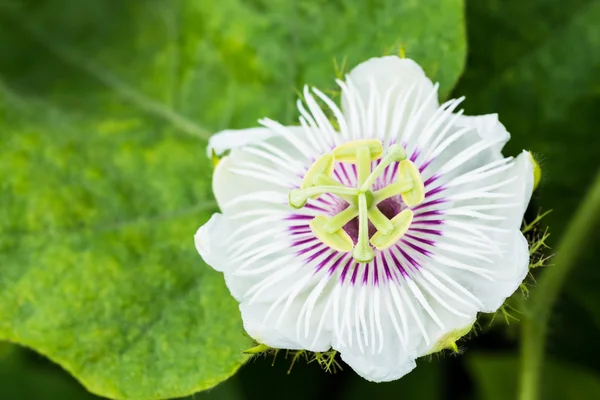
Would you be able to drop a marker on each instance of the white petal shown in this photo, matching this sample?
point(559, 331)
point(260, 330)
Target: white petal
point(267, 327)
point(521, 189)
point(244, 174)
point(388, 72)
point(211, 241)
point(217, 245)
point(380, 367)
point(377, 327)
point(512, 267)
point(452, 309)
point(229, 139)
point(389, 98)
point(263, 332)
point(460, 151)
point(509, 267)
point(488, 127)
point(503, 195)
point(502, 254)
point(260, 175)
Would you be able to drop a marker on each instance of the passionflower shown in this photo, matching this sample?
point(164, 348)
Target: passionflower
point(379, 229)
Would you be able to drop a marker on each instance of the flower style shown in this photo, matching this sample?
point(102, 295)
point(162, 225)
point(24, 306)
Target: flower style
point(379, 229)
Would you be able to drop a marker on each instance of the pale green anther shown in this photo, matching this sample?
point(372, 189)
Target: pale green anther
point(298, 197)
point(392, 190)
point(363, 252)
point(322, 166)
point(396, 153)
point(401, 224)
point(338, 221)
point(408, 171)
point(347, 152)
point(338, 240)
point(380, 221)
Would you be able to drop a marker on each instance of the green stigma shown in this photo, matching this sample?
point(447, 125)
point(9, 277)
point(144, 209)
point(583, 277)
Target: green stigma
point(362, 200)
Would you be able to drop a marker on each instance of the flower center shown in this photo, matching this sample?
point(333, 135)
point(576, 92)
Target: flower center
point(389, 207)
point(365, 205)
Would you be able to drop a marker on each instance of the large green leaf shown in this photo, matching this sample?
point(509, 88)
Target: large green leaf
point(99, 271)
point(497, 379)
point(224, 63)
point(105, 106)
point(537, 64)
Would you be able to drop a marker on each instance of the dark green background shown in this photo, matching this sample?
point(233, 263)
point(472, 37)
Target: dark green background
point(536, 63)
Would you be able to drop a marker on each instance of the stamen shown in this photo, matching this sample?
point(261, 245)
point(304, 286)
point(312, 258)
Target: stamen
point(319, 174)
point(408, 171)
point(338, 221)
point(322, 166)
point(298, 197)
point(363, 252)
point(338, 240)
point(396, 153)
point(401, 224)
point(347, 152)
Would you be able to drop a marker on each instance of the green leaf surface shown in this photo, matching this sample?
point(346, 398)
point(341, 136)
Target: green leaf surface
point(223, 63)
point(104, 111)
point(497, 379)
point(99, 271)
point(537, 64)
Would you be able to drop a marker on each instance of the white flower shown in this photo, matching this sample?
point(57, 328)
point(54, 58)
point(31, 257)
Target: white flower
point(380, 235)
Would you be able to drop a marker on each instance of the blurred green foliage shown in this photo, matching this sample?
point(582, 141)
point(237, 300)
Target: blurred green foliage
point(104, 108)
point(537, 63)
point(20, 378)
point(496, 379)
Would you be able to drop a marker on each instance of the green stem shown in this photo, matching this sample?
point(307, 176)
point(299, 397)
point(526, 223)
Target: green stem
point(535, 322)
